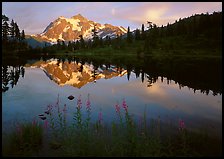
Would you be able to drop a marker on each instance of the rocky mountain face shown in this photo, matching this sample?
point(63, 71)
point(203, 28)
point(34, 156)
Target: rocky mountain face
point(76, 74)
point(69, 29)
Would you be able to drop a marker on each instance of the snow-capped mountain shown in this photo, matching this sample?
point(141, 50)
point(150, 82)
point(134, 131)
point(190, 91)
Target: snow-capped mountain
point(69, 29)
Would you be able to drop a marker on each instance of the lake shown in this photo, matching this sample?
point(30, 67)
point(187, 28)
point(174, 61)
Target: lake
point(169, 89)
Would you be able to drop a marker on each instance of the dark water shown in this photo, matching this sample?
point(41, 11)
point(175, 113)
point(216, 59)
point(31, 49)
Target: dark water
point(172, 89)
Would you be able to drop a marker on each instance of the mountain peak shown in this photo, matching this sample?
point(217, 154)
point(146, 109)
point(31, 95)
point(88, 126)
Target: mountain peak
point(69, 29)
point(61, 17)
point(79, 16)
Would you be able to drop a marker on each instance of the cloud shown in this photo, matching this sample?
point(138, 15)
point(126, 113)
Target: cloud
point(33, 15)
point(162, 13)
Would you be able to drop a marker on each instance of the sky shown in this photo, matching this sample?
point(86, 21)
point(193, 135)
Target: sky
point(34, 17)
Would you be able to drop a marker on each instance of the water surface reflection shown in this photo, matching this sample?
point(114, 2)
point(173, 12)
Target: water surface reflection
point(149, 88)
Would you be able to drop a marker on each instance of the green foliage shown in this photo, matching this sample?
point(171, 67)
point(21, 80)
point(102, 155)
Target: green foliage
point(137, 34)
point(129, 36)
point(25, 140)
point(12, 40)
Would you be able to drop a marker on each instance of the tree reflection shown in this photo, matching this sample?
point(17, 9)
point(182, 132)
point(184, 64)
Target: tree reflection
point(10, 75)
point(203, 75)
point(143, 76)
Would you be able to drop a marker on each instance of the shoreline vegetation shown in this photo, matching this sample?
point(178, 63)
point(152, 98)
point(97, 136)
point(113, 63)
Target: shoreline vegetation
point(54, 136)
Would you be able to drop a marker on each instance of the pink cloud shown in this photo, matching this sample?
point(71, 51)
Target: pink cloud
point(161, 13)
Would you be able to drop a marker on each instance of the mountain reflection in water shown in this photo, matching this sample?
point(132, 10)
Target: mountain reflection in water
point(204, 75)
point(77, 74)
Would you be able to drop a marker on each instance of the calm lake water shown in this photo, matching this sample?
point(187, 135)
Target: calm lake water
point(171, 91)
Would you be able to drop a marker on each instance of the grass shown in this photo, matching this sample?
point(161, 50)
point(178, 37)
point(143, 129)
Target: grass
point(124, 137)
point(26, 139)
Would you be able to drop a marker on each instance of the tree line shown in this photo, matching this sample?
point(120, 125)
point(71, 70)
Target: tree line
point(12, 38)
point(199, 31)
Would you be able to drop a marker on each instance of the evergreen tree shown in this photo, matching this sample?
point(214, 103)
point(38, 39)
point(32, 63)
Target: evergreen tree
point(23, 35)
point(89, 44)
point(101, 42)
point(95, 36)
point(143, 32)
point(5, 28)
point(117, 42)
point(147, 45)
point(82, 42)
point(70, 47)
point(129, 36)
point(137, 34)
point(77, 45)
point(108, 40)
point(12, 29)
point(17, 32)
point(12, 32)
point(58, 44)
point(63, 45)
point(153, 36)
point(150, 25)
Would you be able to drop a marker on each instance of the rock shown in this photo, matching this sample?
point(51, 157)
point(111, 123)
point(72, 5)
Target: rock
point(43, 117)
point(71, 97)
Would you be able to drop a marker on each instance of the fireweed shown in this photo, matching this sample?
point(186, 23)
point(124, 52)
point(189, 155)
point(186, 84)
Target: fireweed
point(89, 139)
point(88, 109)
point(57, 119)
point(183, 137)
point(78, 115)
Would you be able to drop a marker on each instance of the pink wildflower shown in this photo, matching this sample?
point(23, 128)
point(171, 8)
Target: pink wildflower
point(125, 105)
point(100, 117)
point(88, 105)
point(117, 108)
point(181, 125)
point(79, 102)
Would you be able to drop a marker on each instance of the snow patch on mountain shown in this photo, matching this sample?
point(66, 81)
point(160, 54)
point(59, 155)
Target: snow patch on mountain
point(60, 37)
point(74, 23)
point(102, 26)
point(66, 28)
point(53, 40)
point(122, 29)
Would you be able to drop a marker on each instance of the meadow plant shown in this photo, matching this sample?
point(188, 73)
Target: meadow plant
point(99, 123)
point(88, 109)
point(57, 119)
point(89, 139)
point(78, 115)
point(118, 112)
point(183, 137)
point(27, 137)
